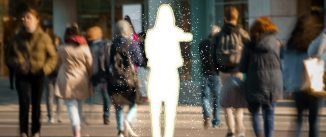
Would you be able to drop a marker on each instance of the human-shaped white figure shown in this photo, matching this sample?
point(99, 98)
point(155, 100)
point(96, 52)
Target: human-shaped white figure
point(162, 47)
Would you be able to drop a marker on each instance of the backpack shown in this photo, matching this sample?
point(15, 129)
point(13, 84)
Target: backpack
point(121, 73)
point(228, 49)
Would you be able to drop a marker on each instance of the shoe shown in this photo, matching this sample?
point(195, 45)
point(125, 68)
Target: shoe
point(23, 135)
point(217, 125)
point(206, 122)
point(51, 120)
point(106, 120)
point(36, 135)
point(120, 135)
point(229, 134)
point(129, 129)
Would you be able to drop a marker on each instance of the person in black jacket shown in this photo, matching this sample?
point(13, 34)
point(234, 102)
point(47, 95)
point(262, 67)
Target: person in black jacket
point(262, 66)
point(211, 85)
point(97, 46)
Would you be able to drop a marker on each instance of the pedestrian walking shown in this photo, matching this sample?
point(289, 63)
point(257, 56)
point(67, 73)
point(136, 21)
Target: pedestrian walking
point(99, 82)
point(307, 28)
point(262, 65)
point(73, 81)
point(162, 46)
point(122, 79)
point(50, 81)
point(211, 83)
point(33, 56)
point(227, 54)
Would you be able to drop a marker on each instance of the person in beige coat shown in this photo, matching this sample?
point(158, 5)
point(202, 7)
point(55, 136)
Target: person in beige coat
point(73, 81)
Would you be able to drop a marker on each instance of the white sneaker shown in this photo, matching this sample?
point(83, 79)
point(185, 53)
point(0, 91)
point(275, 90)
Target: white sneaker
point(51, 121)
point(120, 135)
point(129, 129)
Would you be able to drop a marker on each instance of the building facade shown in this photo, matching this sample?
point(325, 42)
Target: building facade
point(195, 16)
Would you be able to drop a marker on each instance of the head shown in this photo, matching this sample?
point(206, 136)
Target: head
point(71, 30)
point(123, 29)
point(165, 17)
point(127, 18)
point(307, 28)
point(30, 19)
point(262, 25)
point(94, 33)
point(214, 30)
point(231, 15)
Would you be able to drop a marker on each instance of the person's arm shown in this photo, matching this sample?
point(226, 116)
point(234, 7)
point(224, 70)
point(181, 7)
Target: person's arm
point(51, 58)
point(89, 60)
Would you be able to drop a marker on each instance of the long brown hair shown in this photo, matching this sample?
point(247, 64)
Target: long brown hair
point(262, 25)
point(306, 29)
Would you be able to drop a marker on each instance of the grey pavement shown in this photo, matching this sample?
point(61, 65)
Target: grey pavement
point(188, 123)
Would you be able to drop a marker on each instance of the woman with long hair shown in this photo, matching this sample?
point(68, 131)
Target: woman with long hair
point(123, 91)
point(307, 28)
point(262, 66)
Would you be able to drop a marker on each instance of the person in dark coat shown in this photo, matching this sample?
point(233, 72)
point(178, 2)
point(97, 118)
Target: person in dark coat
point(120, 94)
point(211, 83)
point(97, 46)
point(262, 66)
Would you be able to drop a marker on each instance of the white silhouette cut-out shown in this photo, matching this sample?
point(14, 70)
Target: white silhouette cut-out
point(162, 47)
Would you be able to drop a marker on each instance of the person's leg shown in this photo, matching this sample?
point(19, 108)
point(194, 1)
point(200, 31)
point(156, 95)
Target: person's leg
point(49, 96)
point(205, 96)
point(229, 119)
point(59, 103)
point(106, 102)
point(314, 107)
point(119, 117)
point(170, 107)
point(73, 114)
point(268, 115)
point(130, 117)
point(37, 90)
point(254, 111)
point(215, 86)
point(24, 94)
point(11, 77)
point(155, 106)
point(240, 129)
point(300, 103)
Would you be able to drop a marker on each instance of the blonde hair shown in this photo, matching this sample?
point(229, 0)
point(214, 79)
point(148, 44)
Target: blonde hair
point(94, 33)
point(124, 29)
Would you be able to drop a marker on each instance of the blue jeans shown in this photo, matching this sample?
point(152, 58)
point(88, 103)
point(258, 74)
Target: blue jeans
point(211, 89)
point(268, 116)
point(120, 116)
point(74, 109)
point(102, 89)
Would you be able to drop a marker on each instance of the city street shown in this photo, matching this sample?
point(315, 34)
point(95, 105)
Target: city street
point(188, 123)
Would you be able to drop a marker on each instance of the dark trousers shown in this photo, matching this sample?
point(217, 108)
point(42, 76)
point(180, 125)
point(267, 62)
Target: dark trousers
point(11, 77)
point(268, 116)
point(303, 102)
point(29, 88)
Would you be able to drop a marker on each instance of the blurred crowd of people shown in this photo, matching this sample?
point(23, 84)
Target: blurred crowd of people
point(240, 70)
